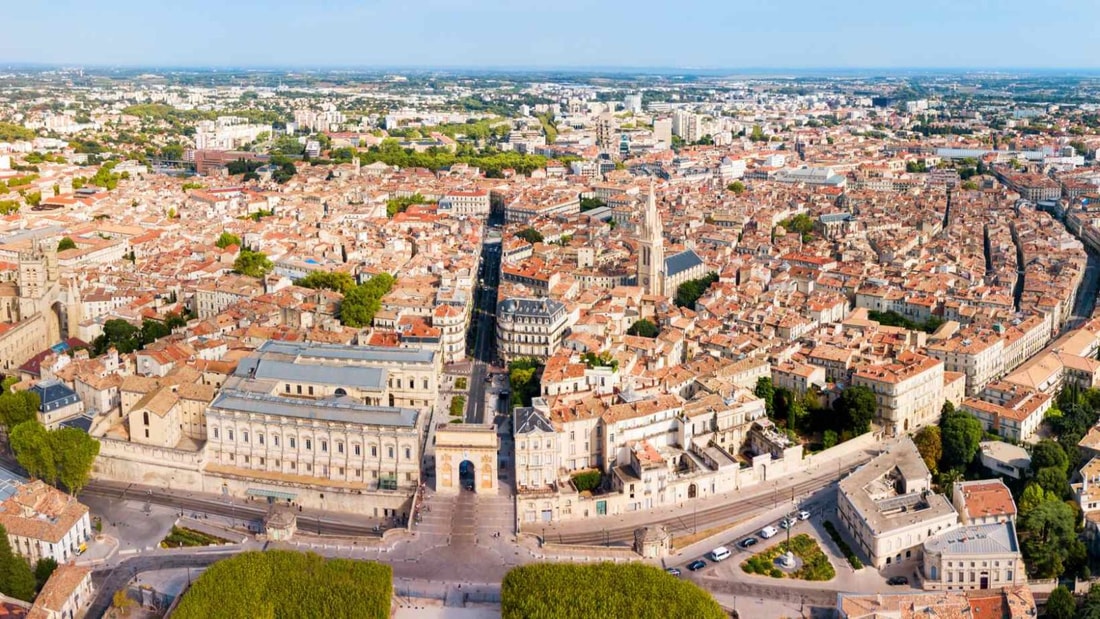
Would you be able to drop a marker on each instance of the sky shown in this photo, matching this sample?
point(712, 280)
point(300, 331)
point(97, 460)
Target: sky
point(714, 34)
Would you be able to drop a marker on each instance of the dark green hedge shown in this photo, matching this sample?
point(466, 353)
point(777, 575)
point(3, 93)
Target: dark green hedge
point(564, 591)
point(281, 584)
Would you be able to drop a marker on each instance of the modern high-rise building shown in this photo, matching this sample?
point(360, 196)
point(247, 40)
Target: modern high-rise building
point(605, 132)
point(633, 103)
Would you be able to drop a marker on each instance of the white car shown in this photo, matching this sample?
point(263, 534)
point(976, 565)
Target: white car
point(803, 515)
point(768, 532)
point(720, 553)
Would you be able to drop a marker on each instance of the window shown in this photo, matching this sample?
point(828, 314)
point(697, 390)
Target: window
point(146, 432)
point(339, 447)
point(357, 449)
point(374, 450)
point(145, 417)
point(287, 390)
point(260, 438)
point(231, 435)
point(215, 432)
point(408, 453)
point(324, 446)
point(309, 443)
point(246, 459)
point(275, 440)
point(311, 390)
point(299, 390)
point(309, 467)
point(292, 442)
point(390, 451)
point(293, 465)
point(244, 436)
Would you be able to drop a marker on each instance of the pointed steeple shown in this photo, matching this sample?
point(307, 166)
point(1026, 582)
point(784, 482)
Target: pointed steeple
point(651, 254)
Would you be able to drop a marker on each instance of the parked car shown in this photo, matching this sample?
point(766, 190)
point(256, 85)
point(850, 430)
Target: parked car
point(803, 515)
point(747, 542)
point(897, 580)
point(720, 553)
point(769, 532)
point(675, 571)
point(697, 564)
point(786, 523)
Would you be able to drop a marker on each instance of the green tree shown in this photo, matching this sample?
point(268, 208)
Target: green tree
point(123, 336)
point(1053, 480)
point(153, 330)
point(930, 445)
point(757, 134)
point(962, 434)
point(226, 239)
point(361, 303)
point(34, 198)
point(565, 591)
point(737, 187)
point(688, 293)
point(75, 453)
point(856, 408)
point(587, 204)
point(252, 263)
point(66, 243)
point(1048, 538)
point(643, 328)
point(1032, 496)
point(34, 451)
point(330, 280)
point(1060, 604)
point(828, 439)
point(766, 391)
point(530, 235)
point(16, 577)
point(587, 481)
point(17, 407)
point(1047, 453)
point(42, 571)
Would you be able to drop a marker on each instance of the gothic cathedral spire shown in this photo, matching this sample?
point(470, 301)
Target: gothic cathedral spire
point(651, 251)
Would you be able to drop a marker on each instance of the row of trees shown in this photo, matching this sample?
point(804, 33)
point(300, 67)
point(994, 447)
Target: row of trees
point(126, 338)
point(362, 302)
point(491, 161)
point(281, 583)
point(565, 591)
point(689, 292)
point(64, 455)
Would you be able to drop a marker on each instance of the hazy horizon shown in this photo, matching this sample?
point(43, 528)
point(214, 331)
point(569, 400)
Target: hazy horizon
point(982, 35)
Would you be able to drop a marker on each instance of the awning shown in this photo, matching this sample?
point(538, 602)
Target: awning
point(273, 494)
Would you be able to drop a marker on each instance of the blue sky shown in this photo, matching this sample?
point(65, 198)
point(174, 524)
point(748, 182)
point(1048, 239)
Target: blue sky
point(554, 33)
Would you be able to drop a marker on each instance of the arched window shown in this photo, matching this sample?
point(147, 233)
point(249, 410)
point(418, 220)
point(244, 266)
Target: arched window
point(340, 391)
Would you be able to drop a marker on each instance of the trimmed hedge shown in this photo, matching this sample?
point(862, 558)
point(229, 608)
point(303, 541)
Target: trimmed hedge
point(281, 584)
point(564, 591)
point(853, 560)
point(458, 406)
point(183, 537)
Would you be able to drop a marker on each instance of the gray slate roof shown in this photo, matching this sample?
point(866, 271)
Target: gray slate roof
point(262, 368)
point(343, 410)
point(678, 263)
point(981, 539)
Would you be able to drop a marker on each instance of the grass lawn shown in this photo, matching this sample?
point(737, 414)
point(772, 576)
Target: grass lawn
point(458, 406)
point(815, 565)
point(460, 383)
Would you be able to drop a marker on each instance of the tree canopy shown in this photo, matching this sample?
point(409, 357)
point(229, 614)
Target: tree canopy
point(930, 445)
point(226, 239)
point(252, 263)
point(64, 455)
point(530, 235)
point(643, 328)
point(16, 577)
point(523, 378)
point(279, 584)
point(66, 243)
point(689, 292)
point(856, 408)
point(362, 302)
point(962, 435)
point(567, 591)
point(329, 280)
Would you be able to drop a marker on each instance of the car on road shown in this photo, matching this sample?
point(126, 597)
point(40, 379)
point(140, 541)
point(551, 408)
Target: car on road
point(897, 580)
point(696, 565)
point(803, 515)
point(786, 523)
point(769, 532)
point(720, 553)
point(748, 542)
point(675, 571)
